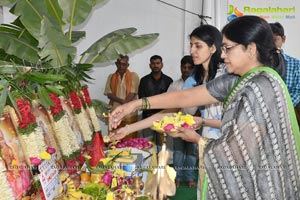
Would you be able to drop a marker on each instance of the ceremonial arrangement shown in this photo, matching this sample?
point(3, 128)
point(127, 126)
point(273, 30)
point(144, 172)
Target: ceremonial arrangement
point(51, 146)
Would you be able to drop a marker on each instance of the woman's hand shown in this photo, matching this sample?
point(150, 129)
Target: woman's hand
point(186, 134)
point(119, 134)
point(120, 112)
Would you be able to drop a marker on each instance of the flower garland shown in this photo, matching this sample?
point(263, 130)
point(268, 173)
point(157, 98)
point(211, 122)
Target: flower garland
point(75, 102)
point(92, 113)
point(33, 143)
point(56, 110)
point(86, 96)
point(5, 190)
point(84, 127)
point(81, 117)
point(31, 136)
point(65, 137)
point(27, 121)
point(90, 109)
point(62, 129)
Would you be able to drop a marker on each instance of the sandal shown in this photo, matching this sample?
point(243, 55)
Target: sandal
point(191, 184)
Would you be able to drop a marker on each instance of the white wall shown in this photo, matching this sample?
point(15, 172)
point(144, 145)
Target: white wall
point(148, 16)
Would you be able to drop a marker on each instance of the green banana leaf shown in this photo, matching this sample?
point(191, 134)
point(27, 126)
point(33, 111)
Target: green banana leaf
point(55, 47)
point(7, 2)
point(76, 35)
point(4, 92)
point(76, 11)
point(32, 13)
point(16, 46)
point(100, 44)
point(98, 2)
point(124, 45)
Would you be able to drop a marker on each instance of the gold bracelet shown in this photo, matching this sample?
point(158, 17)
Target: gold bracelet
point(203, 122)
point(145, 104)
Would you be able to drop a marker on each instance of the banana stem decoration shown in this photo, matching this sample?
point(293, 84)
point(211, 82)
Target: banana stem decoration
point(162, 183)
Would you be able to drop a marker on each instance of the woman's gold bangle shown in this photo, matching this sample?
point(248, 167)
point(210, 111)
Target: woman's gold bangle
point(203, 122)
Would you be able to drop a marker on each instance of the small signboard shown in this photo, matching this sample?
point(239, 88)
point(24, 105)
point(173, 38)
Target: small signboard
point(49, 177)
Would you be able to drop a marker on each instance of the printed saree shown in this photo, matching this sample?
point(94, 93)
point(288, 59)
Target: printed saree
point(257, 157)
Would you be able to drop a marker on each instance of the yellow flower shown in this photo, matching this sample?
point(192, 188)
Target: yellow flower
point(105, 160)
point(106, 139)
point(87, 157)
point(127, 189)
point(110, 196)
point(114, 182)
point(45, 155)
point(119, 172)
point(14, 162)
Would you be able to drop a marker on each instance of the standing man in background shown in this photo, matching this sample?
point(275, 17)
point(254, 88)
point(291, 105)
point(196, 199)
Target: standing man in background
point(185, 154)
point(122, 87)
point(152, 84)
point(292, 79)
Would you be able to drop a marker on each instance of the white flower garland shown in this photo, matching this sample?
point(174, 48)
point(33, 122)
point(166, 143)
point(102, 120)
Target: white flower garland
point(84, 126)
point(94, 118)
point(65, 136)
point(33, 143)
point(5, 190)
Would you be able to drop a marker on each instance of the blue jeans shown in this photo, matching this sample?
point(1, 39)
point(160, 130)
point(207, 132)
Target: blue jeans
point(185, 156)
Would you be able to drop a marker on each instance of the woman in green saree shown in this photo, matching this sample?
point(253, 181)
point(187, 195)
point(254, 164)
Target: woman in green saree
point(257, 156)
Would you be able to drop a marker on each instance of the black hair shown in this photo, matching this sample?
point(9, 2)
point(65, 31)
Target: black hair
point(187, 59)
point(211, 36)
point(252, 29)
point(155, 57)
point(277, 28)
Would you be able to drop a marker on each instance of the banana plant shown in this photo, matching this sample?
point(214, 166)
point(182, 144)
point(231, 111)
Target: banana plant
point(42, 38)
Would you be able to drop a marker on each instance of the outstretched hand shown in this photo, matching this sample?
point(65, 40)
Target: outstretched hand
point(118, 134)
point(119, 113)
point(186, 134)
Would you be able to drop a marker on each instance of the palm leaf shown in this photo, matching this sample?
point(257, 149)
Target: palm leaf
point(45, 100)
point(38, 77)
point(100, 44)
point(56, 48)
point(123, 46)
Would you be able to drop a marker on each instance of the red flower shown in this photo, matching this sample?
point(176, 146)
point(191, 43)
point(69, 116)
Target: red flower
point(86, 94)
point(57, 108)
point(75, 101)
point(27, 116)
point(35, 161)
point(50, 150)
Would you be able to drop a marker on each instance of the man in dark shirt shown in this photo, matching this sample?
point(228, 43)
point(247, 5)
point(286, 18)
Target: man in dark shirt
point(152, 84)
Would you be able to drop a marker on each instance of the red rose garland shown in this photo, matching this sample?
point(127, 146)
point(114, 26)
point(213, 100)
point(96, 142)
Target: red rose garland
point(57, 109)
point(27, 122)
point(75, 102)
point(87, 97)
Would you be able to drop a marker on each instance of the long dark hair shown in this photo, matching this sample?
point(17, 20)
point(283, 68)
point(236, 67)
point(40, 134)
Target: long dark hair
point(247, 29)
point(211, 36)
